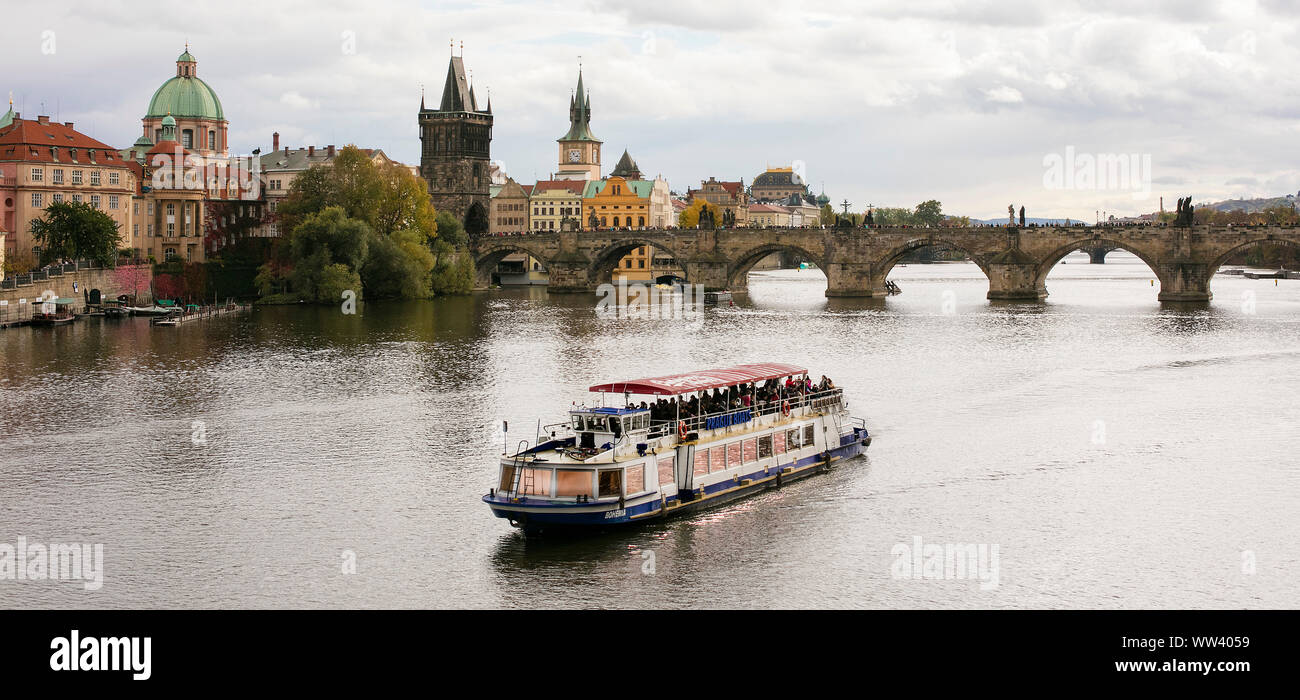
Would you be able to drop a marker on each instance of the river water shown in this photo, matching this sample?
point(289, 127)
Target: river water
point(1117, 453)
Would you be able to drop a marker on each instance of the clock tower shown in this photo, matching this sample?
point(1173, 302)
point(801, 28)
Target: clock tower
point(579, 149)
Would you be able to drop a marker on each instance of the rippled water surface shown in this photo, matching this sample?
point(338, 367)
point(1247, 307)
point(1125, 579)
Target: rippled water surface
point(1119, 453)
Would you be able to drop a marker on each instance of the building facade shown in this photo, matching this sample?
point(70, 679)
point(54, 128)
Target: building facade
point(553, 202)
point(615, 203)
point(776, 185)
point(724, 195)
point(44, 162)
point(509, 213)
point(455, 149)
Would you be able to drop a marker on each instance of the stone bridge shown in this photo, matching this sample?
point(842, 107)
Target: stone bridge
point(857, 261)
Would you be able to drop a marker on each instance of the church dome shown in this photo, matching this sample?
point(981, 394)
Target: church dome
point(186, 95)
point(823, 200)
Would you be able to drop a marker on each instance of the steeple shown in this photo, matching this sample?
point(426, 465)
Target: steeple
point(457, 96)
point(580, 116)
point(8, 117)
point(186, 65)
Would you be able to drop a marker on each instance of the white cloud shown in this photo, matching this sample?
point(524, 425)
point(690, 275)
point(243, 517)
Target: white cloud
point(1004, 94)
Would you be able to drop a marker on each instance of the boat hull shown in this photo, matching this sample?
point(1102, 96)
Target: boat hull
point(536, 517)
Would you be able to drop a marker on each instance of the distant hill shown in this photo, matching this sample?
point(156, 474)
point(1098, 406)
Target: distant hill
point(1028, 220)
point(1251, 206)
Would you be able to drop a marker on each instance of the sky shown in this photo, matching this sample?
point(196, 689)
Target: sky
point(976, 104)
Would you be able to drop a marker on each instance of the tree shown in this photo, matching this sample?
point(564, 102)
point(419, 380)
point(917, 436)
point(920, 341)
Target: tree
point(328, 249)
point(388, 197)
point(929, 213)
point(827, 216)
point(893, 216)
point(76, 230)
point(690, 216)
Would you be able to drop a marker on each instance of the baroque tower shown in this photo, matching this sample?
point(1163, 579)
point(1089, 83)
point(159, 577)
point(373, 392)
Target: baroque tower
point(455, 141)
point(579, 149)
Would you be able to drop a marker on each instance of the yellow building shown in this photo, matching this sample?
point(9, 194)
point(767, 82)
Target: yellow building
point(616, 203)
point(553, 202)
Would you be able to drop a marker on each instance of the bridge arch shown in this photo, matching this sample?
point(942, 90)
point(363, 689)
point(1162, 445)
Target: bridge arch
point(605, 260)
point(490, 255)
point(1051, 259)
point(741, 264)
point(1222, 259)
point(884, 264)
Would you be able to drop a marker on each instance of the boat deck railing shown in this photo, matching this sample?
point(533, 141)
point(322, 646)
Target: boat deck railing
point(801, 403)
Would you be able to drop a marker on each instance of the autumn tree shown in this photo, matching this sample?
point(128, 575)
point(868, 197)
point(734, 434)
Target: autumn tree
point(75, 231)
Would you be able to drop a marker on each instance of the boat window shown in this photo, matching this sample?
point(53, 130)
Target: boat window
point(596, 423)
point(764, 446)
point(779, 438)
point(577, 422)
point(611, 483)
point(808, 437)
point(636, 479)
point(572, 482)
point(733, 453)
point(701, 462)
point(535, 482)
point(751, 451)
point(717, 458)
point(792, 437)
point(507, 478)
point(665, 471)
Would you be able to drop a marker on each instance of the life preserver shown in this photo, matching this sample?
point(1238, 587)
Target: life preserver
point(681, 429)
point(785, 408)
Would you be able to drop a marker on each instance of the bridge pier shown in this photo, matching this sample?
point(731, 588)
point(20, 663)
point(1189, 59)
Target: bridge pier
point(1097, 256)
point(1014, 276)
point(1184, 281)
point(853, 280)
point(568, 277)
point(709, 272)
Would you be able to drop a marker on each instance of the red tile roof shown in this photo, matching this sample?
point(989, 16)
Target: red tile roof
point(51, 142)
point(574, 186)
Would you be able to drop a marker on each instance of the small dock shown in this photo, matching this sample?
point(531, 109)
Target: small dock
point(200, 313)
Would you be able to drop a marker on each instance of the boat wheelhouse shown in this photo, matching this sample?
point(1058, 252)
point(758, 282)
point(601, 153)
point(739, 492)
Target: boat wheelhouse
point(54, 312)
point(673, 445)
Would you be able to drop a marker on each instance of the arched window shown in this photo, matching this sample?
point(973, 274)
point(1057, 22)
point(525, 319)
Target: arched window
point(640, 221)
point(616, 222)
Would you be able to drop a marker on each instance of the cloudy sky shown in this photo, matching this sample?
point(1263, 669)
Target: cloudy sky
point(887, 103)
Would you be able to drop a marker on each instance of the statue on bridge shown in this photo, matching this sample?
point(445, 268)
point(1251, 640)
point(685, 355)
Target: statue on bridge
point(1183, 216)
point(1022, 216)
point(869, 220)
point(707, 219)
point(593, 223)
point(1011, 215)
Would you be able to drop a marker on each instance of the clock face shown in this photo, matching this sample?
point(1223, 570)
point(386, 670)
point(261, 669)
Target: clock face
point(574, 155)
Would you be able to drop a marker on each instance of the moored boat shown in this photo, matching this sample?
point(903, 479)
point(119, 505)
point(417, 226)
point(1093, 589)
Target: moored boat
point(54, 312)
point(709, 437)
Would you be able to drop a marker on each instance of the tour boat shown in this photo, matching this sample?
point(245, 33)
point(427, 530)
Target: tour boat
point(641, 461)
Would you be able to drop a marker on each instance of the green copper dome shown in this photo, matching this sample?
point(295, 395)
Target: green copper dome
point(186, 57)
point(186, 97)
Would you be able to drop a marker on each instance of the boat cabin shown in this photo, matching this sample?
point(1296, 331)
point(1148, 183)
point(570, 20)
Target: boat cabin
point(607, 427)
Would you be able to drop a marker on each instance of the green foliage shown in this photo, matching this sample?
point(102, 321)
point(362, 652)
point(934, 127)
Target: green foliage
point(76, 230)
point(397, 267)
point(929, 213)
point(387, 197)
point(327, 249)
point(454, 275)
point(450, 230)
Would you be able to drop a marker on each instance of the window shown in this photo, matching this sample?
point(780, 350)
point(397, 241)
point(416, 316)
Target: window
point(149, 206)
point(94, 201)
point(76, 177)
point(611, 483)
point(779, 438)
point(169, 253)
point(171, 230)
point(38, 174)
point(57, 176)
point(570, 483)
point(717, 458)
point(751, 451)
point(56, 198)
point(114, 178)
point(171, 209)
point(135, 208)
point(665, 471)
point(187, 138)
point(733, 453)
point(275, 184)
point(76, 198)
point(95, 178)
point(112, 201)
point(701, 465)
point(808, 436)
point(635, 479)
point(764, 446)
point(38, 200)
point(212, 140)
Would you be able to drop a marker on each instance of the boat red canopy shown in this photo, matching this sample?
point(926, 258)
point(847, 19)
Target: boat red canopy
point(703, 379)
